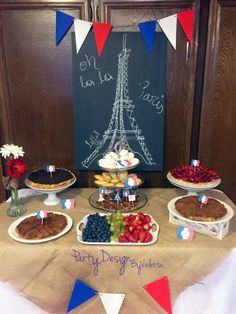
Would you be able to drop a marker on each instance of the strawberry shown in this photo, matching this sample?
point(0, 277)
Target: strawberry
point(131, 218)
point(126, 219)
point(140, 216)
point(149, 237)
point(147, 218)
point(132, 238)
point(122, 238)
point(142, 236)
point(131, 229)
point(147, 227)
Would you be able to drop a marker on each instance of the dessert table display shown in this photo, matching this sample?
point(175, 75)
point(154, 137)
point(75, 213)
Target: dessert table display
point(45, 272)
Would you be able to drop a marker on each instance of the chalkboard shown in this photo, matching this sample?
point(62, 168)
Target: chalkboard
point(119, 96)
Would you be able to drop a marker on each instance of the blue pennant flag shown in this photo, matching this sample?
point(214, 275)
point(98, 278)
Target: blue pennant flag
point(148, 31)
point(63, 24)
point(81, 293)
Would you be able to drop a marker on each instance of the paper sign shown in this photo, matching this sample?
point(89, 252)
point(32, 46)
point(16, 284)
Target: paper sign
point(184, 233)
point(68, 203)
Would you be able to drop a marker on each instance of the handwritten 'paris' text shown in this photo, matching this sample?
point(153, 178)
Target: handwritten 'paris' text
point(155, 101)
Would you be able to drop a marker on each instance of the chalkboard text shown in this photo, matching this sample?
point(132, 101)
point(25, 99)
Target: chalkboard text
point(155, 101)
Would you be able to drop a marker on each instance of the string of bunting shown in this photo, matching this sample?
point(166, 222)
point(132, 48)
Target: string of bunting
point(112, 302)
point(102, 30)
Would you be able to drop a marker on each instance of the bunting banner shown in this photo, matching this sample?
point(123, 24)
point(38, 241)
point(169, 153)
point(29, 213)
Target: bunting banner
point(63, 24)
point(80, 294)
point(186, 20)
point(147, 30)
point(101, 32)
point(169, 27)
point(112, 302)
point(81, 31)
point(159, 291)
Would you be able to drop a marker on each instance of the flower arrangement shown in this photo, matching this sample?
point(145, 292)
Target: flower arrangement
point(15, 169)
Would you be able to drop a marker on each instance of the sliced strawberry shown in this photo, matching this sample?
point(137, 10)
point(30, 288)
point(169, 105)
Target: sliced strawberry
point(122, 238)
point(132, 238)
point(142, 236)
point(147, 227)
point(140, 216)
point(149, 237)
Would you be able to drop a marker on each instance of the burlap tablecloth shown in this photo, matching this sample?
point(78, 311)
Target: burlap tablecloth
point(45, 273)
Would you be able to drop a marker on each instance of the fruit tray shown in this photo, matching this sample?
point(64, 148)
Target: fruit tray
point(154, 232)
point(216, 229)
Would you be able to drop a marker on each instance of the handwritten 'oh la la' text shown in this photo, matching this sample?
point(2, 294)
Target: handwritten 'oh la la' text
point(88, 64)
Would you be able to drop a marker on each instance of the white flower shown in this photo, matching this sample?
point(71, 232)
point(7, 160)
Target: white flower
point(10, 149)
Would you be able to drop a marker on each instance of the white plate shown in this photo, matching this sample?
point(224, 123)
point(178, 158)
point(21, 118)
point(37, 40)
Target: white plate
point(193, 187)
point(84, 221)
point(226, 217)
point(12, 229)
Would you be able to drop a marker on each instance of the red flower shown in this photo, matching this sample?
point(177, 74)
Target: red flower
point(15, 168)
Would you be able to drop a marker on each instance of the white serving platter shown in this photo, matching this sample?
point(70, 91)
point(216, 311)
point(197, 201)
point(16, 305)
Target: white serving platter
point(12, 229)
point(154, 231)
point(217, 229)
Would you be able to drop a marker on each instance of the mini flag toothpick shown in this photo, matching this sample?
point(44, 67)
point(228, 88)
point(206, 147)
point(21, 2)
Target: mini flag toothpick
point(185, 233)
point(101, 198)
point(132, 198)
point(117, 198)
point(67, 203)
point(50, 168)
point(195, 162)
point(203, 199)
point(41, 214)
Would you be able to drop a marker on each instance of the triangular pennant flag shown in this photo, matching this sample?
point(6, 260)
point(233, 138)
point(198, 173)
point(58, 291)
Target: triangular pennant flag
point(148, 31)
point(81, 31)
point(112, 302)
point(169, 27)
point(63, 24)
point(81, 293)
point(186, 20)
point(101, 32)
point(159, 290)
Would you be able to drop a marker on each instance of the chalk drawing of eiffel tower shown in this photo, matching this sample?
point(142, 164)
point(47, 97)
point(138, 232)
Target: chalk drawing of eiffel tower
point(123, 125)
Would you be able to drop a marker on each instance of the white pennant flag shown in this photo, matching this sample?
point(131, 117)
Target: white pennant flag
point(169, 27)
point(81, 31)
point(112, 302)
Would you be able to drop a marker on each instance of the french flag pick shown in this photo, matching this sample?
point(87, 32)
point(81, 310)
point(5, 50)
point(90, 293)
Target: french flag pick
point(41, 214)
point(184, 233)
point(68, 203)
point(50, 168)
point(117, 198)
point(195, 162)
point(132, 198)
point(203, 199)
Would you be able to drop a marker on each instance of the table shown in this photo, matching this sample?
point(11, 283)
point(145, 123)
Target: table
point(45, 273)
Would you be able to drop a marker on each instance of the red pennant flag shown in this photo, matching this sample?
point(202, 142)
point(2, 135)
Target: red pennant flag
point(101, 32)
point(186, 20)
point(160, 292)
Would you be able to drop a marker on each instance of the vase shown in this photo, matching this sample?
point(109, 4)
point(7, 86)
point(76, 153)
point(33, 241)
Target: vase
point(16, 208)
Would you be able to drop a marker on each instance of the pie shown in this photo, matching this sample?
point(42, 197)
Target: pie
point(190, 207)
point(190, 176)
point(32, 228)
point(42, 179)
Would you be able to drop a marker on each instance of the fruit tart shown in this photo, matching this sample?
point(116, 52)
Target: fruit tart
point(194, 176)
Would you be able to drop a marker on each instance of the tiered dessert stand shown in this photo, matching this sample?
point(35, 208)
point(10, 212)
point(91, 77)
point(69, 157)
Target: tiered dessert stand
point(123, 193)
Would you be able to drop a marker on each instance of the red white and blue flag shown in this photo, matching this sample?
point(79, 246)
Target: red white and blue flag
point(195, 162)
point(185, 233)
point(41, 214)
point(68, 203)
point(50, 168)
point(203, 199)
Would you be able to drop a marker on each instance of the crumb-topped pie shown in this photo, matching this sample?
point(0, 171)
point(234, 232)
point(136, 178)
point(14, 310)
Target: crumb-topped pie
point(41, 179)
point(190, 207)
point(33, 228)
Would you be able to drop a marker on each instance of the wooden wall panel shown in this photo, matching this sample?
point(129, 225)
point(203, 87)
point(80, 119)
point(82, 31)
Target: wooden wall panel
point(36, 81)
point(181, 66)
point(217, 146)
